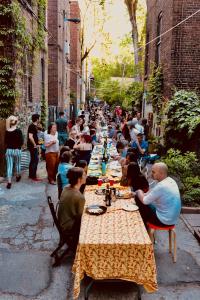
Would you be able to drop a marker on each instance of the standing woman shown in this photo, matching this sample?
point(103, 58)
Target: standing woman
point(14, 142)
point(52, 152)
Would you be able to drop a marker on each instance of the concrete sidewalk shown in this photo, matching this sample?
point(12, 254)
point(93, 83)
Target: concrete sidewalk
point(27, 237)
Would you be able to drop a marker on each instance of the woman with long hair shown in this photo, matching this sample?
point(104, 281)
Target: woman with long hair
point(136, 180)
point(83, 148)
point(52, 152)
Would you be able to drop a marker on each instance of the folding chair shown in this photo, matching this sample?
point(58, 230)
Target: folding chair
point(64, 238)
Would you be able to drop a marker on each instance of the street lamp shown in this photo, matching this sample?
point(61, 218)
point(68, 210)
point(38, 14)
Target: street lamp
point(76, 21)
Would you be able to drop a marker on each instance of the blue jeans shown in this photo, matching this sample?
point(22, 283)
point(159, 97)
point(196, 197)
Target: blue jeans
point(33, 162)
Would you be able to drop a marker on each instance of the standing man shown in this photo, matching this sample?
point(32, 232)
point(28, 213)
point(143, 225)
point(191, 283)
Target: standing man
point(61, 123)
point(32, 144)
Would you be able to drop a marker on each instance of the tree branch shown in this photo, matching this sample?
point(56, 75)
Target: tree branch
point(87, 51)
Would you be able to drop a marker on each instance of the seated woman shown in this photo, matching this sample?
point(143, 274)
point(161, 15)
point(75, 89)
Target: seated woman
point(72, 139)
point(71, 205)
point(83, 148)
point(136, 179)
point(130, 157)
point(63, 169)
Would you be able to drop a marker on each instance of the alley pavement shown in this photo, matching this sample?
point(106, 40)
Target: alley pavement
point(27, 237)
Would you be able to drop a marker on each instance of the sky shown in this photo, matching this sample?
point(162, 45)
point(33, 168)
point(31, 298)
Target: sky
point(117, 24)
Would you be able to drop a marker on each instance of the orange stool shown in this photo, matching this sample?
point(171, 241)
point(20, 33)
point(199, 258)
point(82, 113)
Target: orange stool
point(172, 236)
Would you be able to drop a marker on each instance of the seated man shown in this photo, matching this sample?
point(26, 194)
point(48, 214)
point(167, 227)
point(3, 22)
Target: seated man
point(71, 204)
point(161, 205)
point(140, 145)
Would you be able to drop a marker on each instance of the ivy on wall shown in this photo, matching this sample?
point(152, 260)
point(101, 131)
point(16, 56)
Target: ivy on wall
point(15, 42)
point(155, 89)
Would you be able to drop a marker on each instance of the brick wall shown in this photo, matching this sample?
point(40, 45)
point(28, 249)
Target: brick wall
point(29, 103)
point(185, 55)
point(75, 51)
point(58, 77)
point(180, 48)
point(154, 8)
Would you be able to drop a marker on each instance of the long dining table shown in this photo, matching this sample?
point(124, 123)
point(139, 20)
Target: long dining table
point(114, 245)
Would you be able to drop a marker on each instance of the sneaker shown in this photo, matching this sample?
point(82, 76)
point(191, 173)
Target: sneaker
point(9, 185)
point(18, 178)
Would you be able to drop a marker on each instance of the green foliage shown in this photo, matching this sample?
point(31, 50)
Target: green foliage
point(183, 111)
point(44, 113)
point(155, 89)
point(183, 121)
point(135, 93)
point(115, 92)
point(20, 41)
point(186, 169)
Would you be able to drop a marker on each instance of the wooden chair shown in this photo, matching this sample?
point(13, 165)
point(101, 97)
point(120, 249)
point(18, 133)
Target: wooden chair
point(172, 237)
point(64, 238)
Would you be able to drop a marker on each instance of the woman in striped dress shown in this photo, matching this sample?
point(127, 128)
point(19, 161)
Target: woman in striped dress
point(13, 142)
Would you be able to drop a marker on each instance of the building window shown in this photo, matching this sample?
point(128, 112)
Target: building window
point(147, 55)
point(158, 42)
point(27, 77)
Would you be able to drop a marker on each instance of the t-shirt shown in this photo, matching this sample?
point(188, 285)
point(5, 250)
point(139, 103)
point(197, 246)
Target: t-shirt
point(70, 208)
point(165, 197)
point(144, 145)
point(49, 138)
point(63, 169)
point(14, 139)
point(32, 129)
point(61, 125)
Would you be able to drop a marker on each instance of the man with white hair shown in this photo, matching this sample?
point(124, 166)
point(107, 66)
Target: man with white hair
point(161, 205)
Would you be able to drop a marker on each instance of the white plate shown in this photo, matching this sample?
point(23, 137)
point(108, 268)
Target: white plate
point(129, 207)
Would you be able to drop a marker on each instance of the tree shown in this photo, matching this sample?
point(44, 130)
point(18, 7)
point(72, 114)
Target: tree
point(132, 7)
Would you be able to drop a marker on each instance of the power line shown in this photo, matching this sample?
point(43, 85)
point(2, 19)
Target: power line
point(170, 29)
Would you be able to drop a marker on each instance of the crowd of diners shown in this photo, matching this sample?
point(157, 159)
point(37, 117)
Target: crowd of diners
point(67, 146)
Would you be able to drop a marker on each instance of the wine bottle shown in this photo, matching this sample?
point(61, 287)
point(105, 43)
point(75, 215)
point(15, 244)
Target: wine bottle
point(108, 196)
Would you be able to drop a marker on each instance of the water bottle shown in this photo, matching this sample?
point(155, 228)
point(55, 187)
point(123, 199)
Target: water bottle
point(103, 167)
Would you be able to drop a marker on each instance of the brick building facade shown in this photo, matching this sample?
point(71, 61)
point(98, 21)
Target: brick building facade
point(75, 57)
point(178, 51)
point(58, 50)
point(23, 55)
point(30, 68)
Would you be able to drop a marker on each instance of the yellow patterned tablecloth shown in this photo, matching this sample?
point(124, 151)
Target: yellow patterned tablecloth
point(114, 245)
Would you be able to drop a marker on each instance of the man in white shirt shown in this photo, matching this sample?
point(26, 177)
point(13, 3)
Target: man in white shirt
point(161, 205)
